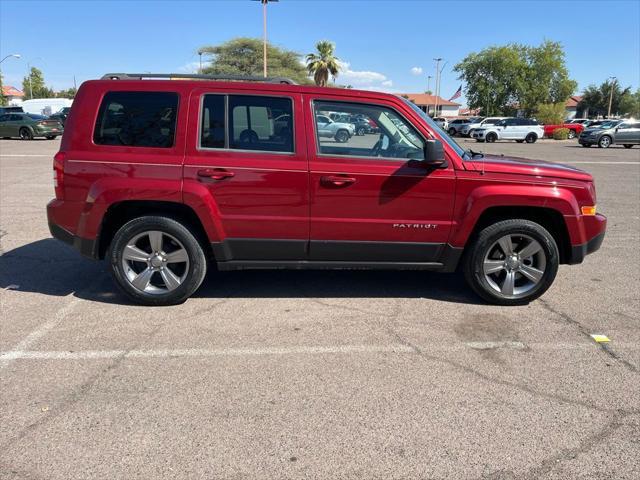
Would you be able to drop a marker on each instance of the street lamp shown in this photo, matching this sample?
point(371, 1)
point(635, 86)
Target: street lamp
point(264, 28)
point(200, 52)
point(613, 83)
point(14, 55)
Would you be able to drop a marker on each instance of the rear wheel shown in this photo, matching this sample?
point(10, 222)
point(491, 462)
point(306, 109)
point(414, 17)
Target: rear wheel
point(156, 261)
point(512, 262)
point(342, 136)
point(571, 134)
point(605, 141)
point(531, 138)
point(626, 145)
point(360, 132)
point(491, 137)
point(25, 134)
point(452, 131)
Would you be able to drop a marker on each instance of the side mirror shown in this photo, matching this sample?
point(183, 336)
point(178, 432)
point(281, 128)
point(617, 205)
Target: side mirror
point(434, 154)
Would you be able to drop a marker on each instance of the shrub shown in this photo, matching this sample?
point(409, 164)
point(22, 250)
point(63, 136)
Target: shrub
point(550, 113)
point(561, 134)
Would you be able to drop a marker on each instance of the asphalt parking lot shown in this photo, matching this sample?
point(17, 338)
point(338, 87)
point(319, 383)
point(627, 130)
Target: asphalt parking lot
point(317, 374)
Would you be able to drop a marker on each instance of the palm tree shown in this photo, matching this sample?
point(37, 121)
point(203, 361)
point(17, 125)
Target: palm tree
point(323, 63)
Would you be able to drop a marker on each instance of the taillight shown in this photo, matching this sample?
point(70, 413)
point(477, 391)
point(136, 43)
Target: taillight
point(58, 174)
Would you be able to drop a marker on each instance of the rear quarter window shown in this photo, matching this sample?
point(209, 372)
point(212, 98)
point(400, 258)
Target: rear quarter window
point(137, 119)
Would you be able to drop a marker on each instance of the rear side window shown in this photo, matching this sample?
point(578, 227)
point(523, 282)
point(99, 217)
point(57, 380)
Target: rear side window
point(253, 126)
point(137, 119)
point(212, 134)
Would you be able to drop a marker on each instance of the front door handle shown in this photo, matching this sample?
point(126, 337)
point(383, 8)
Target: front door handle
point(337, 180)
point(215, 173)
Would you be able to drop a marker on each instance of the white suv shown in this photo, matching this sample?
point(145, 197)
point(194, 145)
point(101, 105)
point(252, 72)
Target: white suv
point(466, 130)
point(518, 129)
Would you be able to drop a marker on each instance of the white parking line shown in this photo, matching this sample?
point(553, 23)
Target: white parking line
point(24, 155)
point(34, 336)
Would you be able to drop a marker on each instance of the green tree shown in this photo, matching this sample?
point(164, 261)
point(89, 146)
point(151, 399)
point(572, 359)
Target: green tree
point(497, 78)
point(68, 93)
point(323, 63)
point(243, 56)
point(551, 113)
point(34, 87)
point(596, 99)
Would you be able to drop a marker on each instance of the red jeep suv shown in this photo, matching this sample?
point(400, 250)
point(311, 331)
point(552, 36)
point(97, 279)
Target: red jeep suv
point(165, 176)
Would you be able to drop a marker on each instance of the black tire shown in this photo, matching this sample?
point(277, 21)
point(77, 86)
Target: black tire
point(520, 141)
point(605, 141)
point(571, 135)
point(26, 134)
point(360, 131)
point(342, 136)
point(50, 137)
point(193, 273)
point(483, 246)
point(491, 137)
point(531, 138)
point(627, 145)
point(452, 132)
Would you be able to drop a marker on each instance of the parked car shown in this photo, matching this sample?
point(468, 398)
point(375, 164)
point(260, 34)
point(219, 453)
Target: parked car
point(341, 132)
point(455, 126)
point(27, 126)
point(518, 129)
point(442, 122)
point(467, 130)
point(61, 116)
point(155, 178)
point(582, 121)
point(11, 109)
point(620, 132)
point(574, 129)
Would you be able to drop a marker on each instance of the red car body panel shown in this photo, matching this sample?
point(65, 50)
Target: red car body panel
point(576, 127)
point(284, 197)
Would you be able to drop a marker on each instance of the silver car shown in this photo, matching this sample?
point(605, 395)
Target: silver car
point(619, 132)
point(466, 130)
point(339, 131)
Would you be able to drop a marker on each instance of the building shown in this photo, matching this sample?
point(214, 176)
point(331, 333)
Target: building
point(427, 103)
point(12, 95)
point(572, 110)
point(469, 112)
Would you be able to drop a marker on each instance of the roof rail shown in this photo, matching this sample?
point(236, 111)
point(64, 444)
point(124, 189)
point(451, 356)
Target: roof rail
point(200, 76)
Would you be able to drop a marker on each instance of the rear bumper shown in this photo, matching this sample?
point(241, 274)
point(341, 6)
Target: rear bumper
point(595, 228)
point(86, 247)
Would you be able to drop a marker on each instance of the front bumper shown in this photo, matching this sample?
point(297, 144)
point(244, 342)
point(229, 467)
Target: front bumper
point(588, 140)
point(594, 229)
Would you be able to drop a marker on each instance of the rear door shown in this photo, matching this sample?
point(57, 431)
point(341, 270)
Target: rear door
point(628, 133)
point(371, 200)
point(253, 175)
point(4, 125)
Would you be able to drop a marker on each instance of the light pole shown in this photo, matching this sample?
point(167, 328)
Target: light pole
point(264, 29)
point(438, 60)
point(429, 77)
point(200, 52)
point(14, 55)
point(613, 83)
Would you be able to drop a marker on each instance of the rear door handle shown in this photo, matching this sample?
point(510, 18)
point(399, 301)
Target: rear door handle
point(337, 180)
point(215, 173)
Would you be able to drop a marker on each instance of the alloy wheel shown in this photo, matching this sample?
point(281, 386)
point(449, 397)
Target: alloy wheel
point(514, 265)
point(155, 262)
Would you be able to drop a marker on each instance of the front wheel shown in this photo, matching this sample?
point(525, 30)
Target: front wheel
point(511, 262)
point(604, 142)
point(531, 138)
point(491, 137)
point(452, 131)
point(342, 136)
point(360, 132)
point(571, 134)
point(157, 261)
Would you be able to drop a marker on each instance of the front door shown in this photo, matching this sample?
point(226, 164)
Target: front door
point(371, 198)
point(250, 156)
point(628, 133)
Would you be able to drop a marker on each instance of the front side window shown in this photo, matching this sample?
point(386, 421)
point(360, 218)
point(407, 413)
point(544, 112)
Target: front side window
point(137, 119)
point(253, 126)
point(397, 137)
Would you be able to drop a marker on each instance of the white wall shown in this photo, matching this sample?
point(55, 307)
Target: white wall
point(449, 111)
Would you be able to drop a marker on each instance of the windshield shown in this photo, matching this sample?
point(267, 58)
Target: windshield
point(434, 126)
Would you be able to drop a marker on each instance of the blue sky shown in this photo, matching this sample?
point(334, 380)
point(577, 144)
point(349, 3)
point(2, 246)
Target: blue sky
point(385, 44)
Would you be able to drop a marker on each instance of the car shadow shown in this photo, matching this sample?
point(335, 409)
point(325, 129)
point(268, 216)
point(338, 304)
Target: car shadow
point(50, 267)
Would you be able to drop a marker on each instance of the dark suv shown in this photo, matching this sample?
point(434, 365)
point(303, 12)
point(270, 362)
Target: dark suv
point(167, 178)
